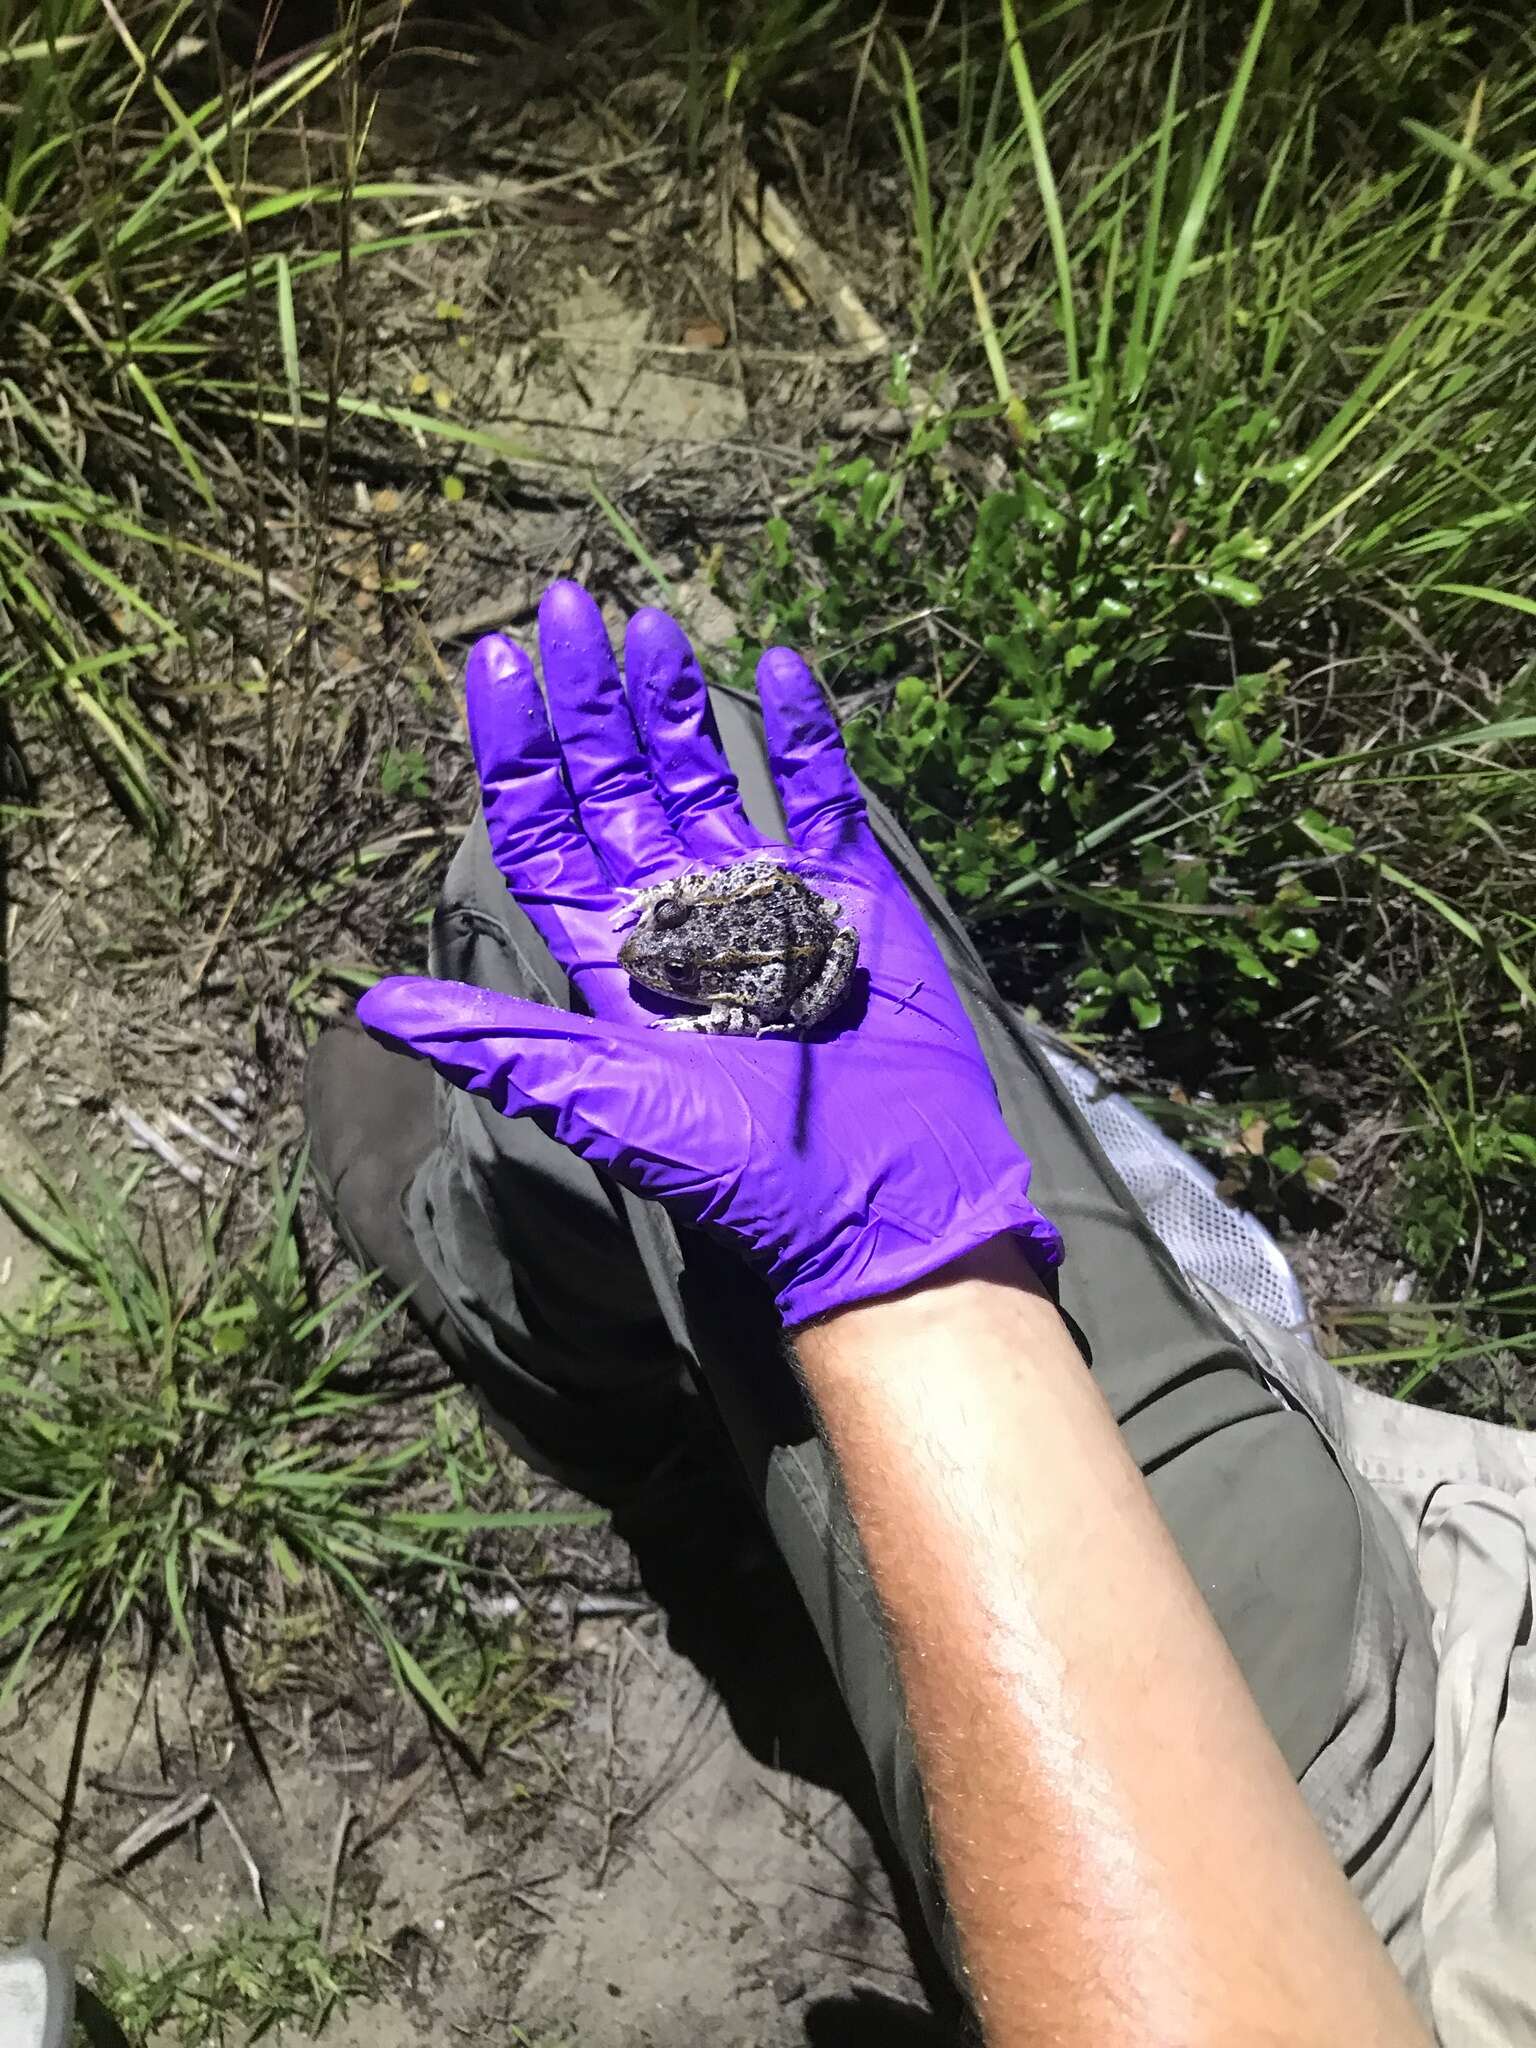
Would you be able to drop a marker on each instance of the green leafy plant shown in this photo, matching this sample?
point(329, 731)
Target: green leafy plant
point(1464, 1185)
point(255, 1982)
point(403, 770)
point(188, 1441)
point(1247, 387)
point(1047, 680)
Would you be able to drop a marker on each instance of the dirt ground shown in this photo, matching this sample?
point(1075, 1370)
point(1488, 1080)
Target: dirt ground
point(639, 1879)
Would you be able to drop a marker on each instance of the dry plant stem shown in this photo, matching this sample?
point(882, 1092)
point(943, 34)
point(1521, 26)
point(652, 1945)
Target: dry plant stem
point(1126, 1855)
point(337, 365)
point(792, 243)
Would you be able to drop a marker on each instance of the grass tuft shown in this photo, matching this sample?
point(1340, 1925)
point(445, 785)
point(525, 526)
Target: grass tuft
point(191, 1442)
point(157, 250)
point(253, 1983)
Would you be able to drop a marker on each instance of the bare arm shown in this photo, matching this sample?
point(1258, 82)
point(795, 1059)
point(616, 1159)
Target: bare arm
point(1127, 1857)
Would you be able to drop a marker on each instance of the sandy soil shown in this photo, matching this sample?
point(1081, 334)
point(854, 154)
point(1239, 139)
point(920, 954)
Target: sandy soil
point(636, 1878)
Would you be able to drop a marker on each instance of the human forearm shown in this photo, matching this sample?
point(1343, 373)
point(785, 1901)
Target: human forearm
point(1127, 1857)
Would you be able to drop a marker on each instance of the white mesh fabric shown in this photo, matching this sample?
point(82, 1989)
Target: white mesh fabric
point(1226, 1248)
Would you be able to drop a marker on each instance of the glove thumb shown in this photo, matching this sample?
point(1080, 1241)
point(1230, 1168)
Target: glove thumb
point(592, 1085)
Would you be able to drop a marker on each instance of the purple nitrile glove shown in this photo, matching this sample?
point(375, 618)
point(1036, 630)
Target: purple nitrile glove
point(844, 1164)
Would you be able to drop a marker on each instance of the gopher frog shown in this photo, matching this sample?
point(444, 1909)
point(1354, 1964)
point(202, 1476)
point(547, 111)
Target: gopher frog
point(752, 944)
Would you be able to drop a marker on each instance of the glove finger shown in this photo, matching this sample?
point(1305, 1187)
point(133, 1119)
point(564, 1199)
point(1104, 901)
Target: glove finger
point(631, 1100)
point(677, 727)
point(607, 771)
point(536, 839)
point(824, 808)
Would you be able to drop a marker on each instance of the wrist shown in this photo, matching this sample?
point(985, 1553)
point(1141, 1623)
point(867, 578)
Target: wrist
point(981, 1321)
point(885, 1255)
point(954, 1288)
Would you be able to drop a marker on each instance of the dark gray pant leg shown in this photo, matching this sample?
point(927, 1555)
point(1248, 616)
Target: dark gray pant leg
point(602, 1313)
point(536, 1252)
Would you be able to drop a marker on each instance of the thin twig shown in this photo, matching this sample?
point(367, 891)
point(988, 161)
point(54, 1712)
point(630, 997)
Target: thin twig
point(147, 1139)
point(103, 1875)
point(221, 1117)
point(119, 1790)
point(220, 928)
point(407, 1799)
point(562, 1607)
point(610, 1802)
point(72, 1780)
point(338, 1849)
point(159, 1827)
point(507, 609)
point(210, 1145)
point(251, 1869)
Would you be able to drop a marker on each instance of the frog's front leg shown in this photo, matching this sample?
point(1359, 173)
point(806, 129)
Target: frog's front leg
point(824, 994)
point(725, 1016)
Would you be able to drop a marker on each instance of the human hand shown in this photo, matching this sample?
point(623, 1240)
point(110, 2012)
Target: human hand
point(845, 1164)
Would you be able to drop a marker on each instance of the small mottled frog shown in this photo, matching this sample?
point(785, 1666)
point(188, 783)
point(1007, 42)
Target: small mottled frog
point(752, 944)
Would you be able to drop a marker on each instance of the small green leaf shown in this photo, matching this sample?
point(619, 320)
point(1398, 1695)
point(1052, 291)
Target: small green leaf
point(288, 335)
point(453, 489)
point(1324, 834)
point(1220, 584)
point(1093, 739)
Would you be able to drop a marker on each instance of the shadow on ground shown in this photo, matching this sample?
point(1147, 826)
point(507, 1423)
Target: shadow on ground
point(868, 2019)
point(732, 1610)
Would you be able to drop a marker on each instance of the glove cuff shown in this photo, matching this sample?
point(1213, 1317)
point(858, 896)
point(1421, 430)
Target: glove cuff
point(887, 1256)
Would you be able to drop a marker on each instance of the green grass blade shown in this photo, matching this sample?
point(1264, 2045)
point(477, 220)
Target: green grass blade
point(176, 1599)
point(913, 143)
point(1508, 965)
point(433, 427)
point(1465, 159)
point(407, 1670)
point(1136, 357)
point(1045, 181)
point(43, 1226)
point(1190, 228)
point(138, 785)
point(1458, 170)
point(101, 572)
point(196, 147)
point(189, 462)
point(288, 334)
point(631, 539)
point(47, 51)
point(1510, 599)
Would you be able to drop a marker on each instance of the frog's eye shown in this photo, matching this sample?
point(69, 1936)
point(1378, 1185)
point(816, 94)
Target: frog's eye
point(681, 973)
point(668, 916)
